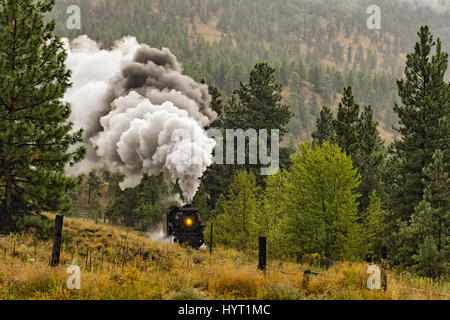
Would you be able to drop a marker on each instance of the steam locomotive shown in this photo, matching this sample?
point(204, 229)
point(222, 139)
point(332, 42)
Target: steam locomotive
point(184, 225)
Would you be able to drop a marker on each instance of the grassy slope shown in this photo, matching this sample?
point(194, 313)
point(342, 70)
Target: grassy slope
point(175, 272)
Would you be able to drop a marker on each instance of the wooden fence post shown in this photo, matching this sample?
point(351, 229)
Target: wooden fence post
point(87, 258)
point(211, 240)
point(384, 267)
point(306, 276)
point(57, 241)
point(103, 251)
point(262, 253)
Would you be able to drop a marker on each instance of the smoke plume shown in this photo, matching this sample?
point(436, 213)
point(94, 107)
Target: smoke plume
point(141, 115)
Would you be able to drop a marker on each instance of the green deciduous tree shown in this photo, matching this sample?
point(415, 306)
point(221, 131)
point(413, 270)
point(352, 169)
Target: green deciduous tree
point(35, 135)
point(274, 214)
point(237, 226)
point(319, 202)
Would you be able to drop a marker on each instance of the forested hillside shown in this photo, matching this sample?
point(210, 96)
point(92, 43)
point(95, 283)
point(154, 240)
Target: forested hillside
point(316, 47)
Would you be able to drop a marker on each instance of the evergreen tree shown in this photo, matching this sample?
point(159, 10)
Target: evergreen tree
point(296, 83)
point(216, 104)
point(94, 183)
point(359, 137)
point(201, 202)
point(314, 107)
point(315, 77)
point(140, 207)
point(35, 135)
point(372, 225)
point(325, 127)
point(257, 105)
point(424, 121)
point(95, 209)
point(424, 241)
point(349, 55)
point(216, 180)
point(369, 157)
point(74, 196)
point(429, 260)
point(218, 177)
point(346, 124)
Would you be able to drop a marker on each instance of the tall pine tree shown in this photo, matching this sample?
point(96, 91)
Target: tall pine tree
point(424, 241)
point(358, 136)
point(369, 157)
point(35, 135)
point(325, 127)
point(346, 123)
point(424, 122)
point(257, 104)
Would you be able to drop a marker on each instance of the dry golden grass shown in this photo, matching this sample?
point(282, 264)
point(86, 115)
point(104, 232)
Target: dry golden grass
point(113, 268)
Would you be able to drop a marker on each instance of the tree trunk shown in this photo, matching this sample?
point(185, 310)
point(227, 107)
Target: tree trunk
point(89, 193)
point(7, 224)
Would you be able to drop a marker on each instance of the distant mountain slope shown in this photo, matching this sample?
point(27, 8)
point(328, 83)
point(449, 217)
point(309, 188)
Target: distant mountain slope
point(317, 47)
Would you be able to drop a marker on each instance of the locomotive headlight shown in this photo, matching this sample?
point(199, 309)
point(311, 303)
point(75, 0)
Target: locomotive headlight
point(188, 222)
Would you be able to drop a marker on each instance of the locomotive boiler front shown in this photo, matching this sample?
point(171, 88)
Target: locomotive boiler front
point(184, 225)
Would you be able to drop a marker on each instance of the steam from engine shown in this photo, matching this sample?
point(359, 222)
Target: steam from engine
point(140, 113)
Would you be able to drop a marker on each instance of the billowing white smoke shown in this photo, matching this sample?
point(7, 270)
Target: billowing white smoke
point(141, 115)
